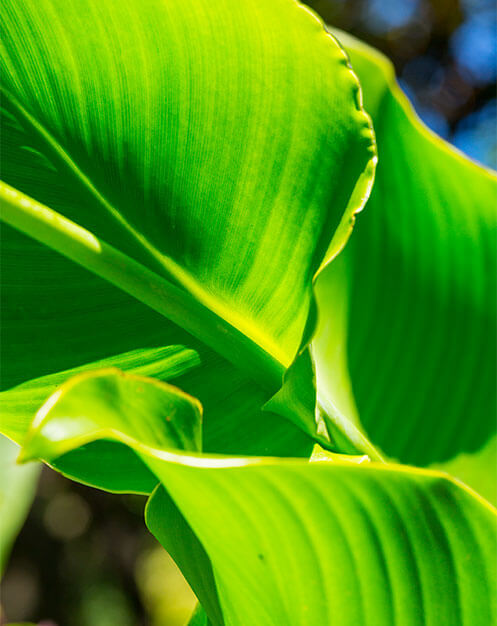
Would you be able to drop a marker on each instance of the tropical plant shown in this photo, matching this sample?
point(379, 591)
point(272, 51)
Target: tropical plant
point(179, 320)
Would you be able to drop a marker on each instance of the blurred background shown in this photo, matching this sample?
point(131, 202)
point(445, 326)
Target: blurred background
point(85, 558)
point(445, 56)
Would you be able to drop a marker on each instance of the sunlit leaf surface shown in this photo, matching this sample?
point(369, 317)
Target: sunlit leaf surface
point(320, 543)
point(208, 197)
point(169, 203)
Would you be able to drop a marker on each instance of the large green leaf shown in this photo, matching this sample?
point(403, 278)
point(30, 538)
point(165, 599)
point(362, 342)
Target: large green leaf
point(202, 193)
point(409, 311)
point(292, 542)
point(169, 142)
point(339, 543)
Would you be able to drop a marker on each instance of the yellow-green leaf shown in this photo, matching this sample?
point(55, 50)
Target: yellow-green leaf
point(208, 161)
point(292, 542)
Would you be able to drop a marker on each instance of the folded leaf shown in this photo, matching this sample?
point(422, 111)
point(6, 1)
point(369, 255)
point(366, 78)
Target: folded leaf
point(118, 468)
point(20, 403)
point(142, 411)
point(409, 311)
point(56, 314)
point(136, 413)
point(175, 148)
point(105, 462)
point(293, 543)
point(235, 419)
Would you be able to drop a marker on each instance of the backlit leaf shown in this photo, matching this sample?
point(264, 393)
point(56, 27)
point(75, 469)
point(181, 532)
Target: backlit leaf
point(292, 542)
point(199, 190)
point(409, 311)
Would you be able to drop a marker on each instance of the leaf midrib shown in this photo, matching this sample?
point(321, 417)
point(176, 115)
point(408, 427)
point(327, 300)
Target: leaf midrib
point(59, 155)
point(151, 257)
point(83, 247)
point(146, 253)
point(181, 300)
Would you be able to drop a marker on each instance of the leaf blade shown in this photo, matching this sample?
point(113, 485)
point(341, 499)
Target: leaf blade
point(233, 187)
point(137, 162)
point(327, 541)
point(422, 264)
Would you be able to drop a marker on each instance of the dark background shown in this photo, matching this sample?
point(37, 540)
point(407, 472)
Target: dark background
point(85, 558)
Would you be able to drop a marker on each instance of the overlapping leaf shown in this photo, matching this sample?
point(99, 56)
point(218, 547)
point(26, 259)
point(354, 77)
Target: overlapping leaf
point(175, 146)
point(118, 164)
point(410, 309)
point(133, 413)
point(292, 542)
point(235, 419)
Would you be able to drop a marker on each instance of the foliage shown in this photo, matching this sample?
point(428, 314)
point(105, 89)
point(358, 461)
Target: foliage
point(179, 180)
point(17, 487)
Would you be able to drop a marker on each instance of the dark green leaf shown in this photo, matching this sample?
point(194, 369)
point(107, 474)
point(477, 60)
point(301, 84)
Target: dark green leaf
point(409, 312)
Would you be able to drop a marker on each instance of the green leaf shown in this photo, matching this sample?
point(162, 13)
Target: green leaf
point(187, 231)
point(172, 166)
point(17, 490)
point(133, 409)
point(109, 463)
point(199, 617)
point(177, 537)
point(136, 413)
point(21, 402)
point(409, 311)
point(292, 542)
point(339, 543)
